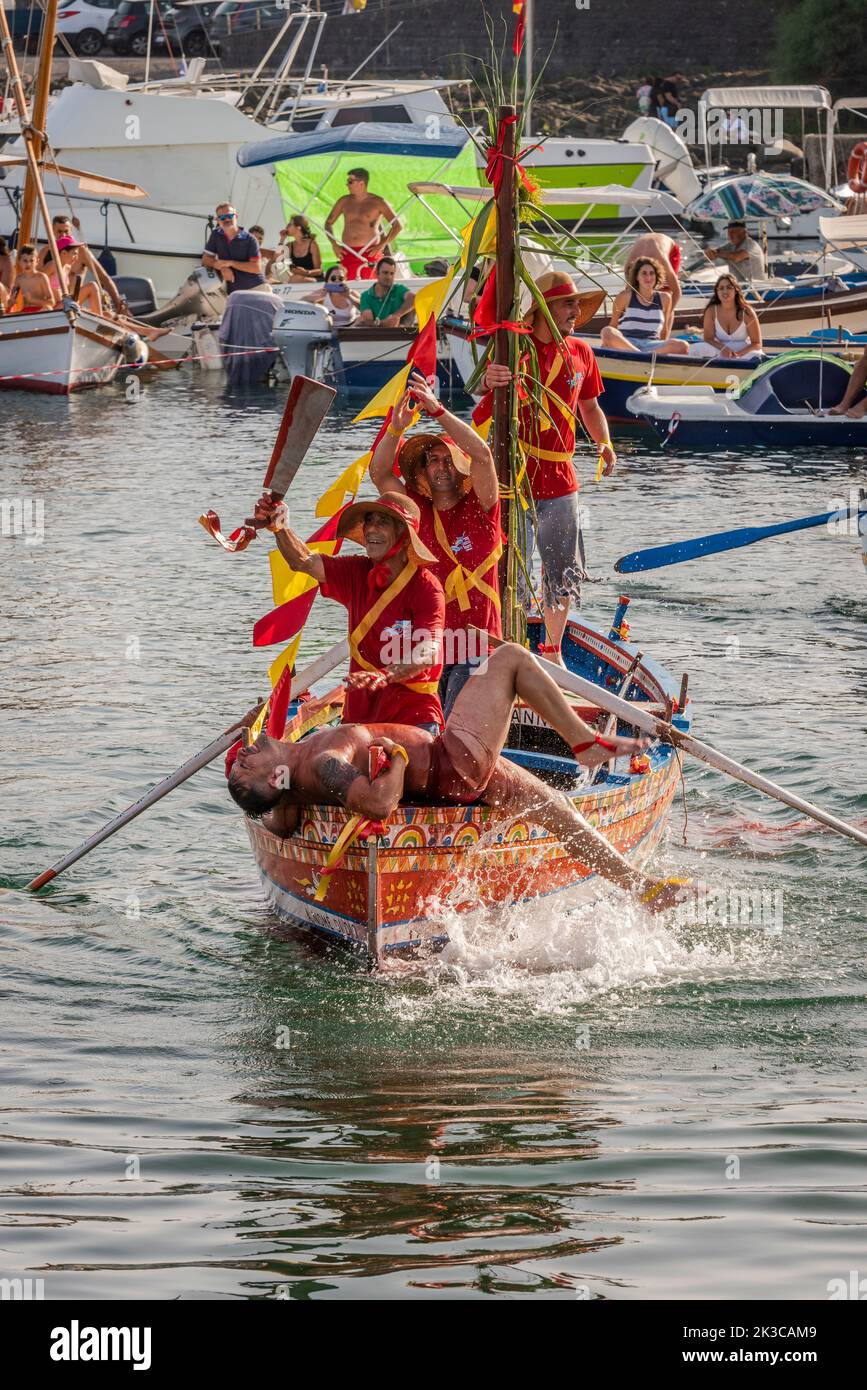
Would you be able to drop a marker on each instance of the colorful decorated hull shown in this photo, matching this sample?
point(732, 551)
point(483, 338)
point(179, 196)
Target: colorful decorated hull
point(392, 894)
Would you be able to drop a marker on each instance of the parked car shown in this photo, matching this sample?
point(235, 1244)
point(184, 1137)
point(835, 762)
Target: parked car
point(187, 29)
point(241, 16)
point(84, 23)
point(127, 30)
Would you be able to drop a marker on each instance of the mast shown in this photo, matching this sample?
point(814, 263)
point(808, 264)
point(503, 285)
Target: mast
point(35, 140)
point(32, 143)
point(505, 212)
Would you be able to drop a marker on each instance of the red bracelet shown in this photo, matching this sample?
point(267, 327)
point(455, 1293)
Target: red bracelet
point(597, 738)
point(435, 414)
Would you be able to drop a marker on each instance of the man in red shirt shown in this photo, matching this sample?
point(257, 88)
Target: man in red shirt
point(452, 480)
point(395, 603)
point(569, 384)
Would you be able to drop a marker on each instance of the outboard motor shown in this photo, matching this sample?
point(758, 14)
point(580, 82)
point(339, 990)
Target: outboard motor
point(306, 340)
point(201, 296)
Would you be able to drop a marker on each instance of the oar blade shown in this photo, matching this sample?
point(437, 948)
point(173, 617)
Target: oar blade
point(306, 407)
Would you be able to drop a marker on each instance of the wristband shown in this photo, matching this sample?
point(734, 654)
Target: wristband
point(435, 414)
point(399, 748)
point(597, 738)
point(396, 434)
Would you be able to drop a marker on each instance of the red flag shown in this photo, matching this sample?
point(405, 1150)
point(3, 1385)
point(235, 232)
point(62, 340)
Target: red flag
point(279, 706)
point(288, 619)
point(518, 41)
point(485, 312)
point(423, 353)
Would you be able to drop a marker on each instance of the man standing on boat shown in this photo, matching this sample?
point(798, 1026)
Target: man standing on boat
point(569, 385)
point(232, 251)
point(452, 479)
point(658, 246)
point(395, 603)
point(364, 238)
point(461, 765)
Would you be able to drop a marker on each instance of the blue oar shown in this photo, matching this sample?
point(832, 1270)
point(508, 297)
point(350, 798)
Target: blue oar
point(658, 555)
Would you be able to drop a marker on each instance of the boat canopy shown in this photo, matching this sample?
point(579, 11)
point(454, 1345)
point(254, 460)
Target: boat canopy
point(844, 231)
point(551, 197)
point(789, 98)
point(367, 137)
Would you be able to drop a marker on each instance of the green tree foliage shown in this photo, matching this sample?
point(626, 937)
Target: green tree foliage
point(823, 41)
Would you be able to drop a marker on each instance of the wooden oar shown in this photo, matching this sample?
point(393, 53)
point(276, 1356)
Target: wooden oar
point(312, 673)
point(631, 712)
point(658, 555)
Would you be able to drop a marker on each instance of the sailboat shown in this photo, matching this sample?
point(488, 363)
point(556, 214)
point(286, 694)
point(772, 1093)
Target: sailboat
point(67, 348)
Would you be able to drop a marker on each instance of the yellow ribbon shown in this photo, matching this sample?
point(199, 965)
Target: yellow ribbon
point(461, 580)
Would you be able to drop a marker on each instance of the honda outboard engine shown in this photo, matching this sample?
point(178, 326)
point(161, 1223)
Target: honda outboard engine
point(306, 340)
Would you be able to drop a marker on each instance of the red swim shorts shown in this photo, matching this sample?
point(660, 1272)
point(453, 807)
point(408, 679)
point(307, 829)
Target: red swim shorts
point(360, 266)
point(674, 257)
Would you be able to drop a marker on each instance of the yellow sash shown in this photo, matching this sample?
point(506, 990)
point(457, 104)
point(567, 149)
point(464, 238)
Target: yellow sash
point(357, 637)
point(461, 580)
point(553, 455)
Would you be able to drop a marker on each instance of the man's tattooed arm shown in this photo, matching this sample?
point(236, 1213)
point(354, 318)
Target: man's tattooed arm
point(336, 776)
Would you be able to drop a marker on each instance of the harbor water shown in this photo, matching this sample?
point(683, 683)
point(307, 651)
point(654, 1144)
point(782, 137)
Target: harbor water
point(564, 1104)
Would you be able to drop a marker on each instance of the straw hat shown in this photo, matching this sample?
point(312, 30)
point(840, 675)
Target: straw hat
point(557, 284)
point(394, 504)
point(413, 456)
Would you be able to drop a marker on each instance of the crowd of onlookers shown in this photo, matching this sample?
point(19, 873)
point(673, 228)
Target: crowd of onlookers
point(660, 97)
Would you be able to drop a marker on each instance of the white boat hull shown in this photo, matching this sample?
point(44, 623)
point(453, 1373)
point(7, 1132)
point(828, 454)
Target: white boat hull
point(46, 352)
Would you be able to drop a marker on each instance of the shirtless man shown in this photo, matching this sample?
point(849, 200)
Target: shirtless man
point(31, 290)
point(460, 765)
point(62, 226)
point(659, 247)
point(363, 240)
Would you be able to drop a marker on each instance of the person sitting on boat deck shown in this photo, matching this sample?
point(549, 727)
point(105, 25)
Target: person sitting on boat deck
point(364, 240)
point(396, 607)
point(232, 251)
point(66, 229)
point(31, 288)
point(267, 257)
point(462, 765)
point(300, 259)
point(387, 301)
point(569, 385)
point(452, 479)
point(731, 328)
point(641, 314)
point(664, 249)
point(851, 405)
point(743, 253)
point(338, 298)
point(74, 270)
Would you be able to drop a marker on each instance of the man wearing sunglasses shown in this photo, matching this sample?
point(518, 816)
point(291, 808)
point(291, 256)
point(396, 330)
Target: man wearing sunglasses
point(364, 237)
point(234, 252)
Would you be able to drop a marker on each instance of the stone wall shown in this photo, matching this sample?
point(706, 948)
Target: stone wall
point(606, 37)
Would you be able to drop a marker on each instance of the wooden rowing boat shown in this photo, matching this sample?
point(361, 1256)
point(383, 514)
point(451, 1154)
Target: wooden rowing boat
point(391, 892)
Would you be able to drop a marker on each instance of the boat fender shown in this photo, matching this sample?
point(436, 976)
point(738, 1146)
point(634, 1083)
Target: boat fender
point(857, 170)
point(135, 350)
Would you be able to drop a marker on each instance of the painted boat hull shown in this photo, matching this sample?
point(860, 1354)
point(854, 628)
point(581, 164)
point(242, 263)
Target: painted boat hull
point(46, 353)
point(391, 894)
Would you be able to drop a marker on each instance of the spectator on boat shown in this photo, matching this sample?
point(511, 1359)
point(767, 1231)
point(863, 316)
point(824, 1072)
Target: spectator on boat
point(451, 478)
point(31, 289)
point(743, 253)
point(7, 266)
point(74, 269)
point(396, 607)
point(387, 301)
point(299, 251)
point(234, 252)
point(851, 405)
point(364, 239)
point(731, 328)
point(268, 257)
point(570, 386)
point(644, 94)
point(65, 228)
point(462, 765)
point(642, 313)
point(338, 298)
point(663, 248)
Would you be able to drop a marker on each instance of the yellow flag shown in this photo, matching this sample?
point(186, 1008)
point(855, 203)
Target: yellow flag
point(286, 658)
point(488, 244)
point(484, 429)
point(389, 395)
point(346, 485)
point(430, 300)
point(287, 583)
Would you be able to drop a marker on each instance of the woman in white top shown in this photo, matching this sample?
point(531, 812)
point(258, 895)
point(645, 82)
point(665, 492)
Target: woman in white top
point(731, 328)
point(337, 297)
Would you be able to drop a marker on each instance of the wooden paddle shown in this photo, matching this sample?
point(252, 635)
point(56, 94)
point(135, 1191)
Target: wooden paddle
point(678, 551)
point(632, 712)
point(312, 673)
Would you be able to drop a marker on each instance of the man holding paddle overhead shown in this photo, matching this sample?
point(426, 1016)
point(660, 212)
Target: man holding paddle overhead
point(395, 603)
point(452, 479)
point(463, 765)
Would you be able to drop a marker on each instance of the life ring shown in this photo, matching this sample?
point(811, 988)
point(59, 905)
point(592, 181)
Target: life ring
point(857, 171)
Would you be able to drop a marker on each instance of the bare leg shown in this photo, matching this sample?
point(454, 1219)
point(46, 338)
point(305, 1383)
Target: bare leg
point(857, 382)
point(555, 626)
point(613, 338)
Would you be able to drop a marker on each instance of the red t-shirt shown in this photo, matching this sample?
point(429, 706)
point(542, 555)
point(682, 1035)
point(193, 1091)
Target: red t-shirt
point(549, 436)
point(417, 612)
point(472, 534)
